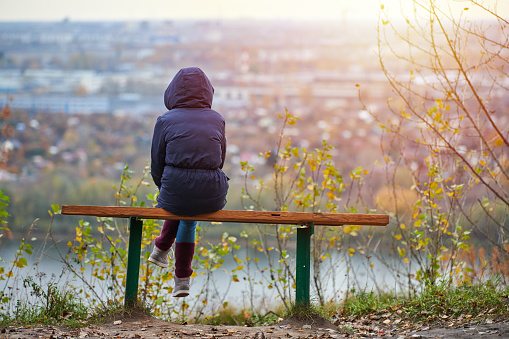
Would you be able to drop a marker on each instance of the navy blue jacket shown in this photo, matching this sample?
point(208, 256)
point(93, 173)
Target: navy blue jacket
point(188, 148)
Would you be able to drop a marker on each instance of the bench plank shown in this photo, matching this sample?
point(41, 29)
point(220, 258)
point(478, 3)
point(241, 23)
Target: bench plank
point(262, 217)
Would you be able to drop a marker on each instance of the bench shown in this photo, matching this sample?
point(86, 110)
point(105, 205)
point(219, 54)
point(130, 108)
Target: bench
point(304, 220)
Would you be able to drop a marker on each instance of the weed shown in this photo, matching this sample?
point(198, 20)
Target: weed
point(48, 305)
point(306, 314)
point(440, 302)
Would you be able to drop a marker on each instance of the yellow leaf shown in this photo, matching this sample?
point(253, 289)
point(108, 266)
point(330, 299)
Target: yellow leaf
point(69, 244)
point(295, 152)
point(401, 251)
point(483, 163)
point(398, 236)
point(194, 275)
point(406, 260)
point(402, 226)
point(78, 232)
point(100, 229)
point(252, 177)
point(499, 142)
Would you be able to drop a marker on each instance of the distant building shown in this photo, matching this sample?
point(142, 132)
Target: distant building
point(57, 103)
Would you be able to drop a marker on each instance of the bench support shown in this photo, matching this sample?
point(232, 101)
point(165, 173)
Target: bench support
point(133, 261)
point(303, 263)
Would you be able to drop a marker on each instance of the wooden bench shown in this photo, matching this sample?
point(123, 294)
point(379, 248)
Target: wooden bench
point(305, 221)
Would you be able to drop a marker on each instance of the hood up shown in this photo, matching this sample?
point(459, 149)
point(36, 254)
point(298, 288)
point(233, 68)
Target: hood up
point(190, 88)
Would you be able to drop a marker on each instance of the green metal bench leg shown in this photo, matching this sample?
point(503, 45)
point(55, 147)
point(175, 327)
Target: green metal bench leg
point(303, 264)
point(133, 261)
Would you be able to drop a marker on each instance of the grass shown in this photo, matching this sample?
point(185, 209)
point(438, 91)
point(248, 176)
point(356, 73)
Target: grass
point(435, 304)
point(49, 305)
point(307, 314)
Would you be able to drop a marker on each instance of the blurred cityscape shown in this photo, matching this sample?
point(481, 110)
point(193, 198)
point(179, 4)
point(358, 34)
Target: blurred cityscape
point(121, 69)
point(84, 96)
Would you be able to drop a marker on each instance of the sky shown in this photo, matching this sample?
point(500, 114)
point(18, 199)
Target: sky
point(100, 10)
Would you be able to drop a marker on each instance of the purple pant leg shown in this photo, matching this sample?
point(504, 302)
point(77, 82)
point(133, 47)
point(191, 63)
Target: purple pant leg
point(168, 235)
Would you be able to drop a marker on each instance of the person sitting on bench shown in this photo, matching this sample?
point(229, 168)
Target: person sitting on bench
point(187, 157)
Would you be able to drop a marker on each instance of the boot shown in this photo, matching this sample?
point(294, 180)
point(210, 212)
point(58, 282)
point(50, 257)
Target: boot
point(184, 252)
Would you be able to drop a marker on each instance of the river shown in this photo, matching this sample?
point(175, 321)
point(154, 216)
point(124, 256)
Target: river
point(340, 273)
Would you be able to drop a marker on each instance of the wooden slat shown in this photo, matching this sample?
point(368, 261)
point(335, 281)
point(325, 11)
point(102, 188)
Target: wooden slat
point(262, 217)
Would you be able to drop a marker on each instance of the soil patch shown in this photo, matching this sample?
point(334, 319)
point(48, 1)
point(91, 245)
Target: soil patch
point(137, 324)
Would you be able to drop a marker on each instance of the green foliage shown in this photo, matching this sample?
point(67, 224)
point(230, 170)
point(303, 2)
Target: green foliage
point(359, 303)
point(301, 180)
point(447, 131)
point(435, 304)
point(463, 301)
point(228, 316)
point(4, 202)
point(306, 313)
point(49, 304)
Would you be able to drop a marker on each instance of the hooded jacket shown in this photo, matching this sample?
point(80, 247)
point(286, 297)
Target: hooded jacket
point(188, 148)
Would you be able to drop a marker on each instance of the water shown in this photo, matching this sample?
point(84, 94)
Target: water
point(340, 273)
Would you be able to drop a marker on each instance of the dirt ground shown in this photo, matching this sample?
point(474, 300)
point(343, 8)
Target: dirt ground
point(141, 325)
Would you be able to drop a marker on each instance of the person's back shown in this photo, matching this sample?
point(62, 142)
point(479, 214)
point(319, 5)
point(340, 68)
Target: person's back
point(188, 153)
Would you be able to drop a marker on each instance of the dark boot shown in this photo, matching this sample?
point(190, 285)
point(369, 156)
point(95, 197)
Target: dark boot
point(184, 252)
